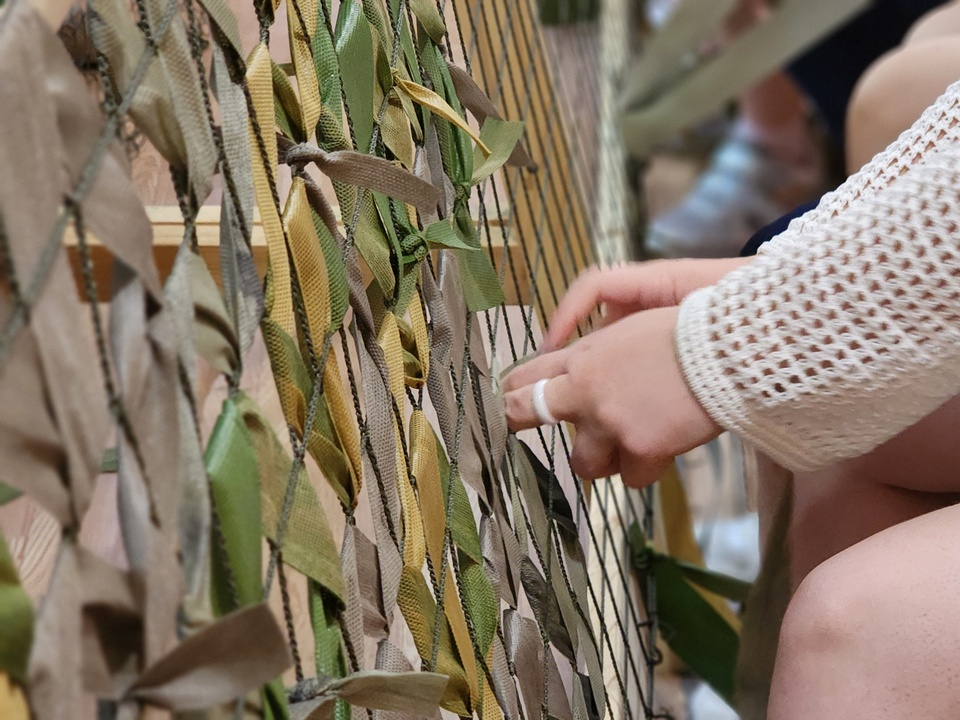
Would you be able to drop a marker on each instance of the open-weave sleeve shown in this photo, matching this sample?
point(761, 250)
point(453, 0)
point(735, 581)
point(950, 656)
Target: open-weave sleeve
point(846, 328)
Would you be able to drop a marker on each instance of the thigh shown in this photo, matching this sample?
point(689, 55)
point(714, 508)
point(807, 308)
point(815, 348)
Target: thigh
point(894, 92)
point(840, 506)
point(914, 473)
point(924, 458)
point(944, 20)
point(873, 632)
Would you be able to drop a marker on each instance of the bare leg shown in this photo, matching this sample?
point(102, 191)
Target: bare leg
point(897, 88)
point(944, 20)
point(836, 508)
point(914, 473)
point(872, 632)
point(837, 512)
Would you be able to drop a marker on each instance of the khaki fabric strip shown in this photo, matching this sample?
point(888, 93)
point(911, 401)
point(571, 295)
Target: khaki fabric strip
point(380, 428)
point(525, 652)
point(36, 79)
point(180, 71)
point(204, 321)
point(375, 624)
point(149, 501)
point(242, 289)
point(56, 676)
point(366, 171)
point(477, 102)
point(238, 653)
point(116, 35)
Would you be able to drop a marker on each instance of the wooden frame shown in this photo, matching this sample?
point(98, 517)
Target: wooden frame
point(167, 224)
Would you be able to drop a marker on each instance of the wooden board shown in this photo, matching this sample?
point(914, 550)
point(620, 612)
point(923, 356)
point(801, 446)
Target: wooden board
point(168, 234)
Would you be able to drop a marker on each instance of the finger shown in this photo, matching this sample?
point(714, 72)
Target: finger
point(547, 365)
point(559, 394)
point(615, 313)
point(633, 287)
point(639, 472)
point(593, 456)
point(577, 303)
point(634, 284)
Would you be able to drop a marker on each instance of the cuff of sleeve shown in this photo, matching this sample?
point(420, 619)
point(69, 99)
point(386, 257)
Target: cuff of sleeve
point(696, 341)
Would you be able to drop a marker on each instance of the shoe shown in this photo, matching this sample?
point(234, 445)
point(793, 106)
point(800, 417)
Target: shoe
point(742, 189)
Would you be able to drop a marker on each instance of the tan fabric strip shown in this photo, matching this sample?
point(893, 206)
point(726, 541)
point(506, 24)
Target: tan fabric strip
point(238, 653)
point(365, 171)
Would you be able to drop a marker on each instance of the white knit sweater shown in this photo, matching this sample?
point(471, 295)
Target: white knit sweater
point(846, 328)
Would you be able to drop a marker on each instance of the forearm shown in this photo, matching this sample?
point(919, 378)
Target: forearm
point(846, 329)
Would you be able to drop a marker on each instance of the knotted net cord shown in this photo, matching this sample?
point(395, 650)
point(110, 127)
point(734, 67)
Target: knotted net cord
point(521, 263)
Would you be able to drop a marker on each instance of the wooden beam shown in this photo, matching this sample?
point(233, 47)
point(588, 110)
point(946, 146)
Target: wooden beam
point(793, 26)
point(168, 234)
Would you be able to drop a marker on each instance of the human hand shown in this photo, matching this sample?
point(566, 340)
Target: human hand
point(626, 289)
point(622, 388)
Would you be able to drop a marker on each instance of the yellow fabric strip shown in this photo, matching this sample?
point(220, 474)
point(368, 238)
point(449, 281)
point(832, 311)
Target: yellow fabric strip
point(414, 547)
point(314, 281)
point(278, 301)
point(490, 706)
point(303, 60)
point(426, 469)
point(13, 704)
point(439, 107)
point(421, 340)
point(344, 421)
point(308, 260)
point(389, 341)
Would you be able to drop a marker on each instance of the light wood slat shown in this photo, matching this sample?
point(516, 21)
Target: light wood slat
point(547, 207)
point(168, 234)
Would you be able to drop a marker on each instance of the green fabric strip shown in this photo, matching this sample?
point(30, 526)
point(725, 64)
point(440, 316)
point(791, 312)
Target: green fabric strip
point(235, 484)
point(16, 620)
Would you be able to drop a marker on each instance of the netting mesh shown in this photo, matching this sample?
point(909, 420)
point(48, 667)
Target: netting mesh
point(390, 238)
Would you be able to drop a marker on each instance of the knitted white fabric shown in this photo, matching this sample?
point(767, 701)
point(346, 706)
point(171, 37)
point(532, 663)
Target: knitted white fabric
point(846, 328)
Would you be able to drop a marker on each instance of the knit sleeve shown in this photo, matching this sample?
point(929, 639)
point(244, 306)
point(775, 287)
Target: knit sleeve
point(846, 328)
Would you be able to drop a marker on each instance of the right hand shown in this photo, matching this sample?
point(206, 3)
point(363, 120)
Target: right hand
point(623, 389)
point(626, 289)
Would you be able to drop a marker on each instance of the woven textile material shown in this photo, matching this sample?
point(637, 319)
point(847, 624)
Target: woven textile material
point(846, 328)
point(358, 536)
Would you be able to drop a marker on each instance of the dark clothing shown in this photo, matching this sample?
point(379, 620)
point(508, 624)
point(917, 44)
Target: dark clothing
point(769, 232)
point(828, 72)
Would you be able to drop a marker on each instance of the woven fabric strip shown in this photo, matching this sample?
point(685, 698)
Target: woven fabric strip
point(459, 555)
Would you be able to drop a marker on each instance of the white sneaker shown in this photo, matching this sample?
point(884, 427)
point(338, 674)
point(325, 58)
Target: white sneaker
point(741, 190)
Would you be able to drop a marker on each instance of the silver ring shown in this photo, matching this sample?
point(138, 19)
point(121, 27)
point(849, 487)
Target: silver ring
point(540, 403)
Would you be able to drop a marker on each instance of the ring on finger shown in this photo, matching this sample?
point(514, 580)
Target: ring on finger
point(540, 403)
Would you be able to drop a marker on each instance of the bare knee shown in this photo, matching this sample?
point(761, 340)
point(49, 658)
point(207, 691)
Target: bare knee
point(893, 93)
point(821, 646)
point(935, 24)
point(869, 633)
point(823, 616)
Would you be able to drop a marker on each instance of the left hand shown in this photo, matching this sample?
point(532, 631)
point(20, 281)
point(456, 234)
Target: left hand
point(625, 289)
point(622, 388)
